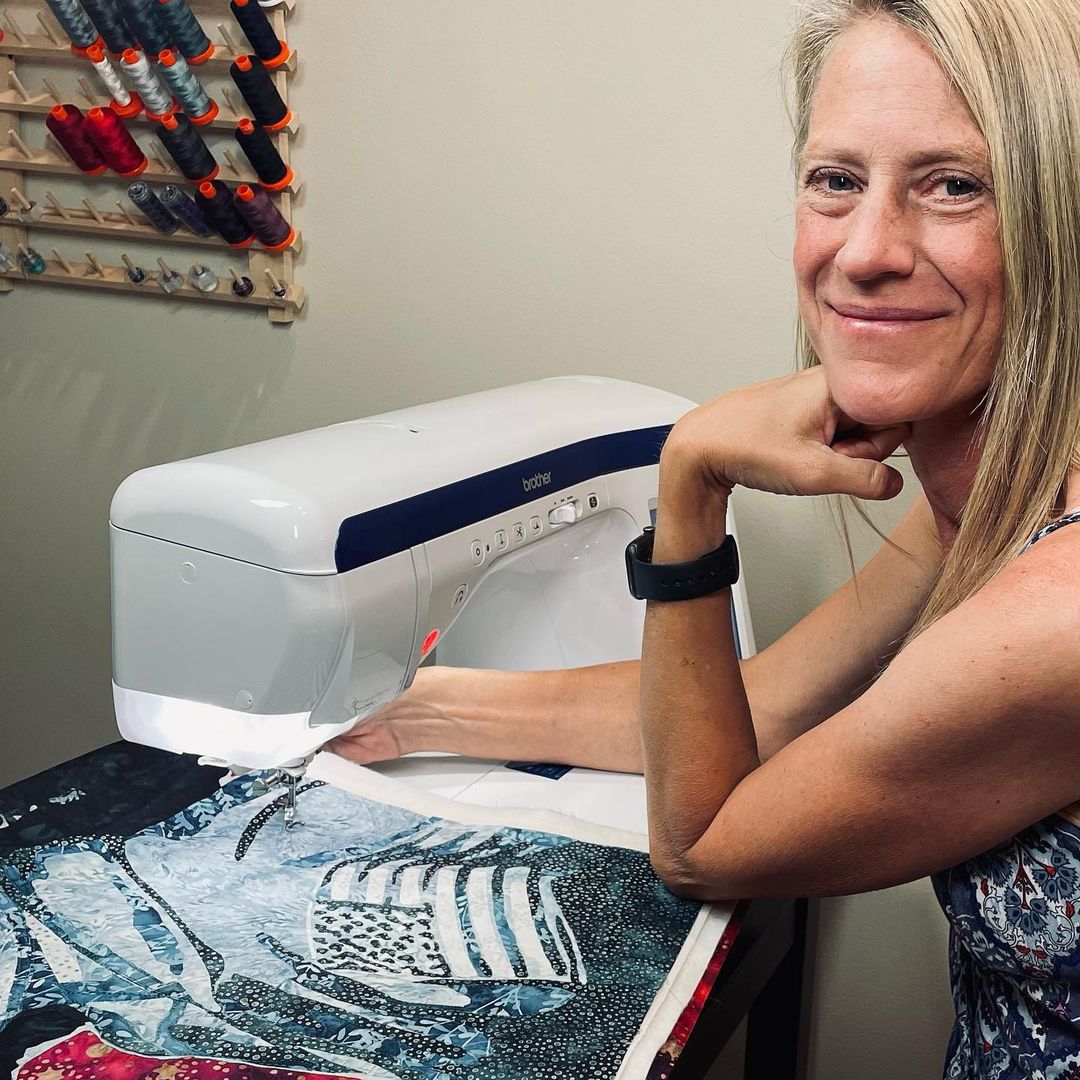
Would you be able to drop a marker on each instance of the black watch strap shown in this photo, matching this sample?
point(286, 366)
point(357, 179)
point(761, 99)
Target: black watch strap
point(682, 580)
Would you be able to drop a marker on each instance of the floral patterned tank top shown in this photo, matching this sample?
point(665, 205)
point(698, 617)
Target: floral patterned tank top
point(1014, 950)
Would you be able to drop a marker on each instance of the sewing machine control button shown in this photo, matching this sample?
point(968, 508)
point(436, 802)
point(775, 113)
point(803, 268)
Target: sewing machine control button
point(502, 541)
point(594, 502)
point(536, 526)
point(519, 532)
point(459, 596)
point(478, 551)
point(566, 514)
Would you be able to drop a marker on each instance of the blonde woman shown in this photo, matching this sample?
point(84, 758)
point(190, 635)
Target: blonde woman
point(937, 258)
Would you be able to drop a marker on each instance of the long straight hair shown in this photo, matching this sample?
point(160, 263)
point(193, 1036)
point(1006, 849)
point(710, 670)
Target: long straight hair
point(1016, 64)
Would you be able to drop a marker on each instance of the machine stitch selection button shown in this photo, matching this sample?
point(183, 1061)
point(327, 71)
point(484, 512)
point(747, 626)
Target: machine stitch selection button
point(519, 532)
point(536, 526)
point(566, 514)
point(459, 596)
point(502, 541)
point(478, 551)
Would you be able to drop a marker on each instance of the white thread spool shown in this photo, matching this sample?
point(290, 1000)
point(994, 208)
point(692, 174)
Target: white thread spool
point(112, 82)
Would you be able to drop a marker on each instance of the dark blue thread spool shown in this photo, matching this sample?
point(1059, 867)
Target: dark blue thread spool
point(142, 195)
point(263, 155)
point(255, 83)
point(265, 43)
point(110, 22)
point(182, 206)
point(187, 149)
point(186, 31)
point(143, 20)
point(266, 220)
point(216, 202)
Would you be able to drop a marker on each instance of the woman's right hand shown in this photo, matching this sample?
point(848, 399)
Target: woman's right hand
point(400, 727)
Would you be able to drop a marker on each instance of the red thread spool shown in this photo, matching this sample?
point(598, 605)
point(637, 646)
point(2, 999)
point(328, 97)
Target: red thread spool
point(68, 124)
point(120, 151)
point(265, 219)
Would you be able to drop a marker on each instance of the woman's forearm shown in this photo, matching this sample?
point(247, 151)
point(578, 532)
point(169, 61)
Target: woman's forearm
point(581, 716)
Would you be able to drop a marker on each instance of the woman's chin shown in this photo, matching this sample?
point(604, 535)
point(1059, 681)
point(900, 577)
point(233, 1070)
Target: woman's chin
point(878, 405)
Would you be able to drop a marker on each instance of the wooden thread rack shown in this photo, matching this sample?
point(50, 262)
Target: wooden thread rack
point(271, 273)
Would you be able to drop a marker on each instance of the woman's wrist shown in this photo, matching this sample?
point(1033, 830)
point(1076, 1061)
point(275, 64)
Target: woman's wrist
point(691, 514)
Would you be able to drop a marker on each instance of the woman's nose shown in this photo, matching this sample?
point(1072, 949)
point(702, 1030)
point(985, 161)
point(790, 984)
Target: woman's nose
point(878, 242)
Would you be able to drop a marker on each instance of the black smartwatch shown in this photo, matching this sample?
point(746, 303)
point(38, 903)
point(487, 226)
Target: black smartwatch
point(681, 580)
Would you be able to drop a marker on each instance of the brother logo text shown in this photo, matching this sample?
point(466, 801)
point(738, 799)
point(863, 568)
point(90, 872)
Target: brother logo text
point(541, 479)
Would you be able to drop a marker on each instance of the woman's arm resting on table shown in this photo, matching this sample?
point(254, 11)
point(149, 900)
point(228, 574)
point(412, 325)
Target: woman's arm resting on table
point(970, 736)
point(589, 716)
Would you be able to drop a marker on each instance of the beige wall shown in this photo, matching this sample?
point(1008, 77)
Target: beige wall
point(496, 190)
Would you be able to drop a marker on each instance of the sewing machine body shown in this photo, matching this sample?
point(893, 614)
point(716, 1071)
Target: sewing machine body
point(268, 597)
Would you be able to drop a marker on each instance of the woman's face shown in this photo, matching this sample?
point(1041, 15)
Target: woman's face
point(896, 250)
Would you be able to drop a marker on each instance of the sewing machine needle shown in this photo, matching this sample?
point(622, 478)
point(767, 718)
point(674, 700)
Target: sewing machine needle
point(290, 802)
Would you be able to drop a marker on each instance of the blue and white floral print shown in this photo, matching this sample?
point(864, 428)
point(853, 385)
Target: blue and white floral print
point(1014, 951)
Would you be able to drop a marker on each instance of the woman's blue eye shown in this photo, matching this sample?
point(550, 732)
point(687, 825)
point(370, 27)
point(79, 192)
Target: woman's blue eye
point(953, 183)
point(836, 182)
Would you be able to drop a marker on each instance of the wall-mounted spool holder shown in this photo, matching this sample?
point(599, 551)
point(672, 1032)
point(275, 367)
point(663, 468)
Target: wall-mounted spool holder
point(271, 272)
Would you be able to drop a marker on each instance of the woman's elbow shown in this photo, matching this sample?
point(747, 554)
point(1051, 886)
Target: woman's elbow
point(683, 876)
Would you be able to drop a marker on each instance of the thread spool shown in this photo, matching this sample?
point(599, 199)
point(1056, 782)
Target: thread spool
point(186, 32)
point(76, 23)
point(120, 151)
point(3, 206)
point(110, 23)
point(123, 103)
point(186, 88)
point(181, 206)
point(142, 195)
point(68, 125)
point(146, 24)
point(187, 149)
point(273, 173)
point(265, 43)
point(169, 280)
point(8, 261)
point(157, 99)
point(265, 219)
point(30, 260)
point(216, 202)
point(203, 278)
point(255, 83)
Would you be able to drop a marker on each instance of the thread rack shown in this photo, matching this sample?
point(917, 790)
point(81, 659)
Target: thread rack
point(100, 208)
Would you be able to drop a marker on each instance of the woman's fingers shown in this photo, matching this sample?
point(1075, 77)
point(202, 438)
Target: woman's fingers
point(861, 477)
point(877, 444)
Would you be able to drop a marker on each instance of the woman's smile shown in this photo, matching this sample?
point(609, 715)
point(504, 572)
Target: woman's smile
point(883, 322)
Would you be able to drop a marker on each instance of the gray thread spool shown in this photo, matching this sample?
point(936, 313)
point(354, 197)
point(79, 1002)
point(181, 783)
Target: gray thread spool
point(76, 23)
point(142, 195)
point(181, 205)
point(203, 278)
point(156, 98)
point(185, 85)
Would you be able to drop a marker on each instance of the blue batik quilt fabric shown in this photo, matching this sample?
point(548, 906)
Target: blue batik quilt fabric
point(373, 940)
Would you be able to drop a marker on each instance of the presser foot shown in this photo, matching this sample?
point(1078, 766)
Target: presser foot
point(288, 776)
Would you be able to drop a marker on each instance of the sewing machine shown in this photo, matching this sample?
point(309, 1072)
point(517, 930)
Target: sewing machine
point(267, 598)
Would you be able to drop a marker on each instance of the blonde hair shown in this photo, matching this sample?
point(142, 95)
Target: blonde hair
point(1016, 63)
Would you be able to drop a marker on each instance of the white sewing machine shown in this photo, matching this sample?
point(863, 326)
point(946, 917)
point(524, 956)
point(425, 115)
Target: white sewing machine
point(267, 598)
